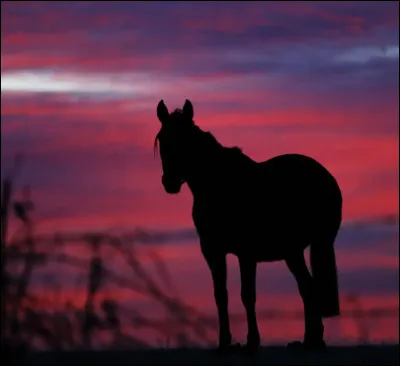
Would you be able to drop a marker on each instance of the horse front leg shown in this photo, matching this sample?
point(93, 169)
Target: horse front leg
point(248, 269)
point(217, 265)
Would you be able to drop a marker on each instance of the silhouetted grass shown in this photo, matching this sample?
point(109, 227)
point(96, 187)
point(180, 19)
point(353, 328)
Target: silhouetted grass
point(29, 325)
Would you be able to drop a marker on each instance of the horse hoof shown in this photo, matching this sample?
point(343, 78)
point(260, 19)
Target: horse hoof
point(295, 345)
point(307, 345)
point(229, 348)
point(250, 349)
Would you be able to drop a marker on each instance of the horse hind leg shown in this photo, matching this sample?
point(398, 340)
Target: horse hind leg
point(324, 272)
point(314, 328)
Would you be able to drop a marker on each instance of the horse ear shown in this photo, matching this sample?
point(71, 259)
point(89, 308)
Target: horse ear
point(162, 111)
point(188, 109)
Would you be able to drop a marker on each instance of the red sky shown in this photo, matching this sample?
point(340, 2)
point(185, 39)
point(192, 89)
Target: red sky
point(81, 81)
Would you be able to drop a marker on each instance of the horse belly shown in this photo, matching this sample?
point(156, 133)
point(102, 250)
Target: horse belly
point(261, 237)
point(265, 244)
point(266, 230)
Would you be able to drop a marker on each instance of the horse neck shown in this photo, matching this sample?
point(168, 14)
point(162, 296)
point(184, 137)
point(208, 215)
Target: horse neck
point(204, 178)
point(207, 175)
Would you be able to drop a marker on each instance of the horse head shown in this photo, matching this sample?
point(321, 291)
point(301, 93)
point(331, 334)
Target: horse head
point(174, 144)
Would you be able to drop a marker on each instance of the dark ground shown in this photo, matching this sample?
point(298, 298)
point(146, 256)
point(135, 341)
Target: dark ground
point(351, 355)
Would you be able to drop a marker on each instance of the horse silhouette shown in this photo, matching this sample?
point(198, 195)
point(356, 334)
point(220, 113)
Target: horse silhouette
point(259, 211)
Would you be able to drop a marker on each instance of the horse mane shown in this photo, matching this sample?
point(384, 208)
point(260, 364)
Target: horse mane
point(177, 112)
point(210, 141)
point(206, 138)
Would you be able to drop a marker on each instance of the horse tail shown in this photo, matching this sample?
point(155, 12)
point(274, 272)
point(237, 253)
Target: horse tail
point(324, 272)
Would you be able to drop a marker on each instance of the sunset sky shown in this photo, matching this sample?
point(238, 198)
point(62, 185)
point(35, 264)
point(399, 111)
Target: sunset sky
point(80, 82)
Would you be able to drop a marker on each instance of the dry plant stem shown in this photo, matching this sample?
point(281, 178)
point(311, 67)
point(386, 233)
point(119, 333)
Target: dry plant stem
point(5, 206)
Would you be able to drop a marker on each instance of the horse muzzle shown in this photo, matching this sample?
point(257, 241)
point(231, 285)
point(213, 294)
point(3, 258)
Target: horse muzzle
point(172, 185)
